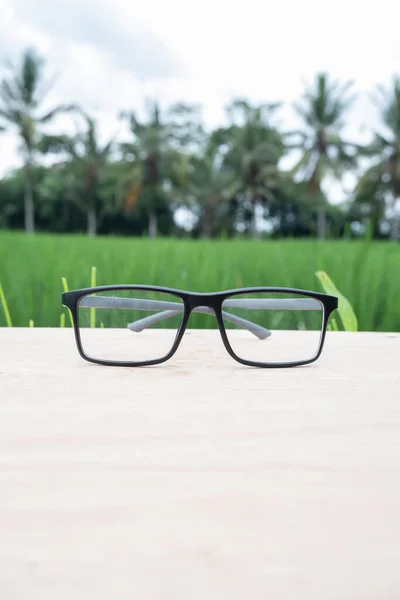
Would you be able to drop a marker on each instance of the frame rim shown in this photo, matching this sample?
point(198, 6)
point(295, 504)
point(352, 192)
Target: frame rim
point(121, 363)
point(280, 365)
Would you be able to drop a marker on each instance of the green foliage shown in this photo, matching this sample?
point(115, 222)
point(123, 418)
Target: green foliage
point(93, 310)
point(64, 284)
point(4, 305)
point(31, 269)
point(345, 310)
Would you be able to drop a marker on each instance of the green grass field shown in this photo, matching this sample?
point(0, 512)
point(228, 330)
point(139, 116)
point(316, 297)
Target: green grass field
point(31, 269)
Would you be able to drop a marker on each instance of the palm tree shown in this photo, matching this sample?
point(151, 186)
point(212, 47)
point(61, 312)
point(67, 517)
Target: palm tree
point(382, 179)
point(250, 147)
point(208, 190)
point(145, 156)
point(154, 157)
point(369, 204)
point(21, 94)
point(85, 167)
point(324, 152)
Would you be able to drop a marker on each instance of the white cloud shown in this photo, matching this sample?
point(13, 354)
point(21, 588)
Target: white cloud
point(96, 24)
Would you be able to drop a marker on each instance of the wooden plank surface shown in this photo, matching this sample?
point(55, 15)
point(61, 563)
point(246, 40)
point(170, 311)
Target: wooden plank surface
point(200, 478)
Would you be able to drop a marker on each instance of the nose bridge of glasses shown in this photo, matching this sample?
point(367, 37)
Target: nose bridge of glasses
point(204, 301)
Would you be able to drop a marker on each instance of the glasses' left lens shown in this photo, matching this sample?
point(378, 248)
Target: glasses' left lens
point(289, 326)
point(129, 325)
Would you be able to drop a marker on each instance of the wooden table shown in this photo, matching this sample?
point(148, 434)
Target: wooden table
point(199, 479)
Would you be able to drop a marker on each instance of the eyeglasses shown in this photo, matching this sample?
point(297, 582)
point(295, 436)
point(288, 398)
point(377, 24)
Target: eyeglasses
point(136, 325)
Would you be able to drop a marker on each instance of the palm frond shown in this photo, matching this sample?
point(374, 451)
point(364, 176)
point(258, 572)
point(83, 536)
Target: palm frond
point(105, 151)
point(56, 144)
point(13, 117)
point(302, 163)
point(30, 75)
point(63, 108)
point(9, 93)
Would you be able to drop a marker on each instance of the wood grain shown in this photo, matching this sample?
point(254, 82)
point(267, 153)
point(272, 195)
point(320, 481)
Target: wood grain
point(200, 478)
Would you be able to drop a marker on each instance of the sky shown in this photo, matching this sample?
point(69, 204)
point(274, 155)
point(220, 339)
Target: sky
point(110, 55)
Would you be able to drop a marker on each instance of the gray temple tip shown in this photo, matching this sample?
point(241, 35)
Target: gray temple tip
point(135, 327)
point(264, 335)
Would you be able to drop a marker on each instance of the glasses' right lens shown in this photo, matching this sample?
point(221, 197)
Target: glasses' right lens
point(288, 326)
point(129, 325)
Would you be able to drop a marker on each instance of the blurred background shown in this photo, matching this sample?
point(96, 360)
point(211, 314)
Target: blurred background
point(214, 145)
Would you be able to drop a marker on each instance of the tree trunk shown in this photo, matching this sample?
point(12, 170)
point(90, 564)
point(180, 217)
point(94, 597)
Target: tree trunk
point(206, 224)
point(29, 212)
point(255, 233)
point(91, 222)
point(395, 224)
point(321, 223)
point(153, 225)
point(395, 228)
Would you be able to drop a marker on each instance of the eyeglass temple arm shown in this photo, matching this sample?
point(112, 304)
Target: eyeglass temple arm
point(249, 303)
point(257, 330)
point(172, 309)
point(169, 309)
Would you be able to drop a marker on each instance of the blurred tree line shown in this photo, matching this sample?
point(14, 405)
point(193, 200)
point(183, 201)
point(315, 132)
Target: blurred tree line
point(173, 178)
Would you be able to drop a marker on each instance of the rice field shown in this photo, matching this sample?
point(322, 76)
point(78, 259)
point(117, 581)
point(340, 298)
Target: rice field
point(31, 268)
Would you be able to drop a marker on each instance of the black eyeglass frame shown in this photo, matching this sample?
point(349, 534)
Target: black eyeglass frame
point(192, 300)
